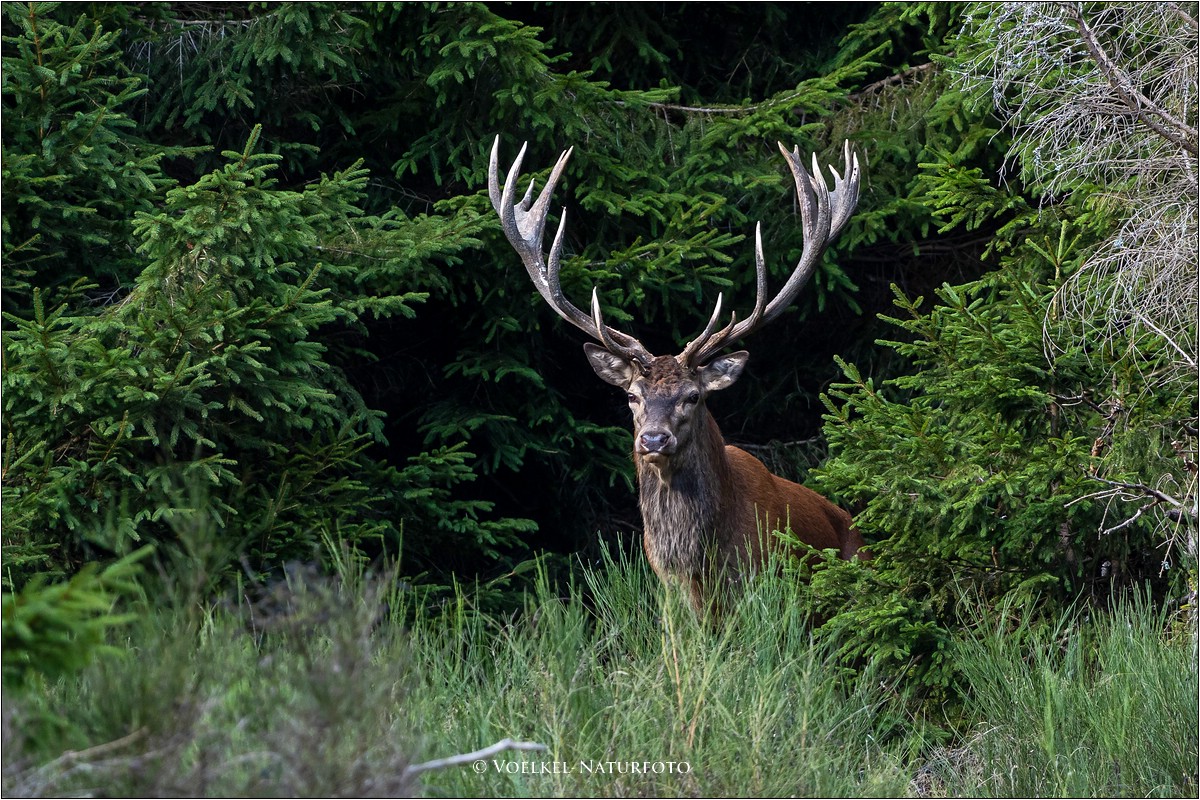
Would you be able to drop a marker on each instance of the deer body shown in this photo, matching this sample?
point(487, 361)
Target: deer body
point(684, 530)
point(709, 510)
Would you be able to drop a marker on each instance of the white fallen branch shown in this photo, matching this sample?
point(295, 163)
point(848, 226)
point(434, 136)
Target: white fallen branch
point(468, 758)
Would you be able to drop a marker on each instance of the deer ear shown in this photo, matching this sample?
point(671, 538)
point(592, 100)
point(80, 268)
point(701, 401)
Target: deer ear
point(609, 366)
point(722, 372)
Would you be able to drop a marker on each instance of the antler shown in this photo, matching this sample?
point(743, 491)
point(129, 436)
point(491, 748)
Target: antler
point(823, 214)
point(524, 225)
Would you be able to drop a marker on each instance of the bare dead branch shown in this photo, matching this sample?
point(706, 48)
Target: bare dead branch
point(1142, 106)
point(71, 757)
point(1186, 17)
point(771, 447)
point(468, 758)
point(1126, 523)
point(894, 80)
point(1106, 95)
point(900, 78)
point(1142, 490)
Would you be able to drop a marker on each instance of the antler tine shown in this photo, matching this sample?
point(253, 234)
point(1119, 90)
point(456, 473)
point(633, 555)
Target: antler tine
point(689, 352)
point(524, 225)
point(823, 214)
point(707, 344)
point(844, 196)
point(632, 349)
point(815, 217)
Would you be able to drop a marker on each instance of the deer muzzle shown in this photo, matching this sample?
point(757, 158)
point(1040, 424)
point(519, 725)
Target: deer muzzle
point(655, 445)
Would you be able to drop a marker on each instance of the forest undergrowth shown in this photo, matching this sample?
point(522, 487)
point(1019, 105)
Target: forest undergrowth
point(321, 686)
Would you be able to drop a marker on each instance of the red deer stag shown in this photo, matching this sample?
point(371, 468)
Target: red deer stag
point(708, 508)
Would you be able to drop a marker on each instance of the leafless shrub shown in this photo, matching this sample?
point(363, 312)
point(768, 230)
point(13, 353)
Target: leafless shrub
point(1105, 95)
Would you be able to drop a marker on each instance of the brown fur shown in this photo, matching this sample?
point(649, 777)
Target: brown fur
point(709, 509)
point(716, 518)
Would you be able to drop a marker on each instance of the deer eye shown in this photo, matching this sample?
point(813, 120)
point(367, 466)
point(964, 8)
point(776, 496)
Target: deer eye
point(632, 398)
point(692, 398)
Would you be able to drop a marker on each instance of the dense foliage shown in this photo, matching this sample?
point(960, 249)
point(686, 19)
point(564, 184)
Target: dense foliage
point(1016, 458)
point(257, 308)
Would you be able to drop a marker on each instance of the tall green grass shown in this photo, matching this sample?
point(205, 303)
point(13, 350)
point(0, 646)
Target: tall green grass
point(314, 688)
point(754, 709)
point(1101, 708)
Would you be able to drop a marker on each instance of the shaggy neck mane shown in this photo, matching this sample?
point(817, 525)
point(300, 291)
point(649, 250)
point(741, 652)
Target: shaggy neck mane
point(682, 503)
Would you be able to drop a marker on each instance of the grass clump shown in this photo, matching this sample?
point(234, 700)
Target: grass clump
point(317, 687)
point(637, 698)
point(1105, 707)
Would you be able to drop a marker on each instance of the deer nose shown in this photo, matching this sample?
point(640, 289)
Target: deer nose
point(654, 442)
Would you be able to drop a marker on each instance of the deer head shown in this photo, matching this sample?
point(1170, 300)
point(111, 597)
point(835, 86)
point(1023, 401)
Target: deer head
point(666, 393)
